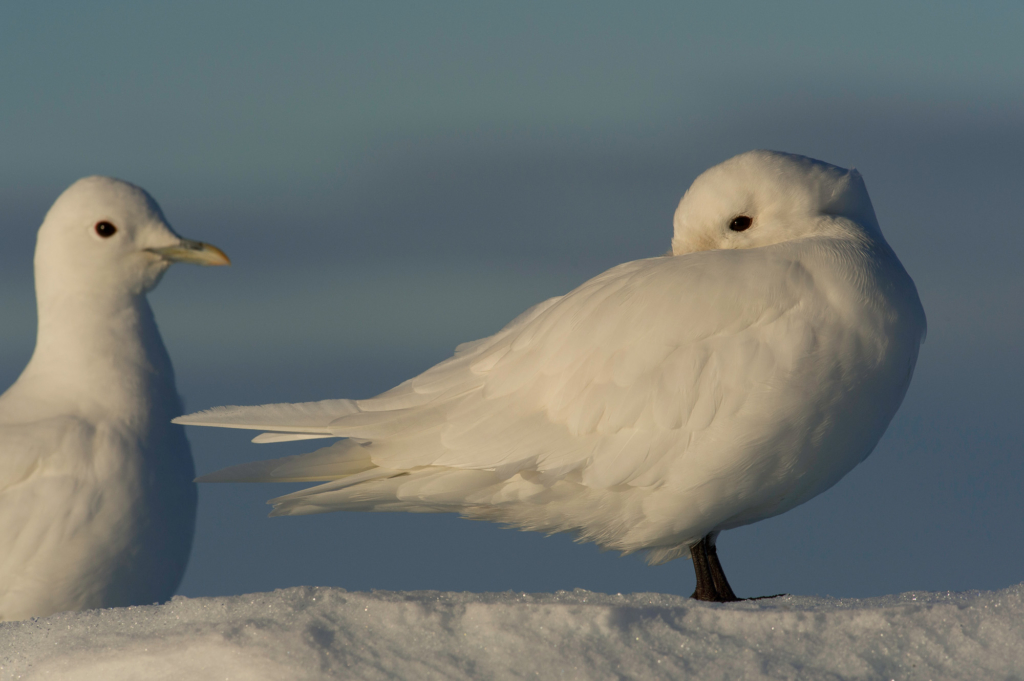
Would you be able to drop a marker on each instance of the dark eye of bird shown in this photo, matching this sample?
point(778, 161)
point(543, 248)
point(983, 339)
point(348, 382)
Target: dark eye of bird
point(105, 229)
point(741, 223)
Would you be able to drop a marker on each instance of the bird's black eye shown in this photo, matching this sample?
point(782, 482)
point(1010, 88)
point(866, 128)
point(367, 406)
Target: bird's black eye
point(741, 223)
point(105, 229)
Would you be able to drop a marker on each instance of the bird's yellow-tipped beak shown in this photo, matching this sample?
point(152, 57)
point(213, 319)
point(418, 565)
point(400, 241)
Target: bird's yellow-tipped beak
point(194, 252)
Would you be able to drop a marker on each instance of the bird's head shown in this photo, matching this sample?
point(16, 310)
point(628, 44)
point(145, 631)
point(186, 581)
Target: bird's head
point(762, 198)
point(109, 237)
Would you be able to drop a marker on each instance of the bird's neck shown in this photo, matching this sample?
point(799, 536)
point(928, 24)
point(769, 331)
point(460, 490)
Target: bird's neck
point(101, 354)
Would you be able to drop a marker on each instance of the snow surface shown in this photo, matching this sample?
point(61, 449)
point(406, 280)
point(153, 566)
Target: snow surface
point(324, 633)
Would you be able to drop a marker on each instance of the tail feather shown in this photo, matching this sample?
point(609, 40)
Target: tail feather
point(265, 438)
point(341, 460)
point(303, 417)
point(427, 490)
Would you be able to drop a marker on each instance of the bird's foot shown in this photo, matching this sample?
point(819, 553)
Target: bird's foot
point(729, 598)
point(714, 597)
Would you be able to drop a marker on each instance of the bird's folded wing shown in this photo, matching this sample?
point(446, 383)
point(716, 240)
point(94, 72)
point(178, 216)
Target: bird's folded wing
point(39, 448)
point(601, 383)
point(311, 420)
point(40, 466)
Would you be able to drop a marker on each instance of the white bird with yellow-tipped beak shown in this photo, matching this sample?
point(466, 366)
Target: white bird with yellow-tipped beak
point(657, 404)
point(97, 502)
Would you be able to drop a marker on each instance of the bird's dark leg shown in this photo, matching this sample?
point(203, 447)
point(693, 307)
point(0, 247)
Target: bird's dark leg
point(705, 590)
point(717, 573)
point(711, 582)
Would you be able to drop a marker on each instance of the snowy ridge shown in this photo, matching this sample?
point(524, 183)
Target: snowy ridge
point(326, 633)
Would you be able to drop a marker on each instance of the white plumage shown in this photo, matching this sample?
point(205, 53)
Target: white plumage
point(97, 503)
point(657, 404)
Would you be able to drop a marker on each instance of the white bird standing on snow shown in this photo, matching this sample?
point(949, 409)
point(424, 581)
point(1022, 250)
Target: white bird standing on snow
point(659, 403)
point(97, 502)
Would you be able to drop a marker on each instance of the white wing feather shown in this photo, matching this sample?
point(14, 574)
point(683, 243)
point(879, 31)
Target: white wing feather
point(40, 462)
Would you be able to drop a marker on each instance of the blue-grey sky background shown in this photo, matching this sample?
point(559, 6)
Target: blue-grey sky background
point(392, 179)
